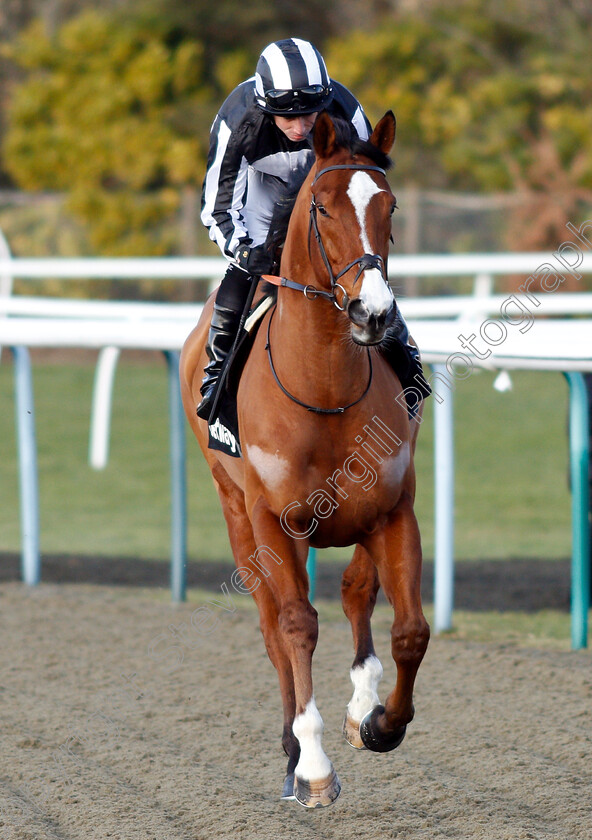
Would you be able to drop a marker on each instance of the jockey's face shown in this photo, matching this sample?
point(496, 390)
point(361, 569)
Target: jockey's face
point(296, 128)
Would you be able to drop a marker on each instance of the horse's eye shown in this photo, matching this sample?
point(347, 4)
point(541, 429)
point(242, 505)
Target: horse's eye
point(322, 210)
point(394, 207)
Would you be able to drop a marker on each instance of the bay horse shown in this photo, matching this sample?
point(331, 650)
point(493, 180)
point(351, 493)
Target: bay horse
point(327, 455)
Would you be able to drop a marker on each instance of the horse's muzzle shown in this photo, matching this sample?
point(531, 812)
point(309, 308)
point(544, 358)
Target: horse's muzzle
point(369, 327)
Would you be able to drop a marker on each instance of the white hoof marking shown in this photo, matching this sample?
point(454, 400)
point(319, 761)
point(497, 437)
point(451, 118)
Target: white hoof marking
point(308, 728)
point(365, 679)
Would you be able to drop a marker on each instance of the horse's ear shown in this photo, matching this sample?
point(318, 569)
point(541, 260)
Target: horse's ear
point(383, 136)
point(324, 140)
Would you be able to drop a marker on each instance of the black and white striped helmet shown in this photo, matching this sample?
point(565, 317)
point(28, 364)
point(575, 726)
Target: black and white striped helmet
point(291, 79)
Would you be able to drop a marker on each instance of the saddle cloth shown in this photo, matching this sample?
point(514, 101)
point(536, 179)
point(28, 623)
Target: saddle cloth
point(223, 425)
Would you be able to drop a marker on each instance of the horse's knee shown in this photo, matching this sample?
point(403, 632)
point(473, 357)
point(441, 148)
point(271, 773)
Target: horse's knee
point(298, 623)
point(409, 640)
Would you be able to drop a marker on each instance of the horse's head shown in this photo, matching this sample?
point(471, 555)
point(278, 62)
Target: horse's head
point(350, 216)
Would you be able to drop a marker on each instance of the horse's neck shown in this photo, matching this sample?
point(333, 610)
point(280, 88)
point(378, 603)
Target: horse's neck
point(318, 358)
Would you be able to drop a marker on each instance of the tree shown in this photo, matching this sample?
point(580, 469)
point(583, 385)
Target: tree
point(115, 106)
point(485, 100)
point(113, 115)
point(16, 15)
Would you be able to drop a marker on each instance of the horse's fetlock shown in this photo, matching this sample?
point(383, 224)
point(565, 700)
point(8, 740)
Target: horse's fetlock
point(290, 743)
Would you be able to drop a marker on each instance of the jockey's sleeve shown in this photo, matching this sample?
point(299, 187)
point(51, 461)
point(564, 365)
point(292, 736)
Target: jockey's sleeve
point(224, 189)
point(361, 124)
point(348, 106)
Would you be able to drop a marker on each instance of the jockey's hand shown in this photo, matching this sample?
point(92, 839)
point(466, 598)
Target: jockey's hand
point(254, 260)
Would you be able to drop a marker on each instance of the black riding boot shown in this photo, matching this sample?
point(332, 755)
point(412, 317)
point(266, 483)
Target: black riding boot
point(405, 361)
point(228, 308)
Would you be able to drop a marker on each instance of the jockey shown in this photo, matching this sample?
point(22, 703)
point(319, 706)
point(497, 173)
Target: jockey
point(258, 145)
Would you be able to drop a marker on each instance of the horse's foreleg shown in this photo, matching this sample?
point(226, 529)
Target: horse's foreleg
point(268, 620)
point(315, 780)
point(244, 550)
point(396, 551)
point(359, 588)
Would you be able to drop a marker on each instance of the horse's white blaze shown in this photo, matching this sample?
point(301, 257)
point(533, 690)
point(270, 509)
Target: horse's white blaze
point(375, 294)
point(313, 764)
point(365, 679)
point(271, 468)
point(394, 467)
point(361, 189)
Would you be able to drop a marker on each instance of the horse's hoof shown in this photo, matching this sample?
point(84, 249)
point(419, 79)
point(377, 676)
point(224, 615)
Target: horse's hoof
point(351, 732)
point(288, 791)
point(376, 740)
point(318, 793)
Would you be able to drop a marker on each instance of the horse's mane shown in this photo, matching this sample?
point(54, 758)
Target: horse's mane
point(280, 218)
point(345, 138)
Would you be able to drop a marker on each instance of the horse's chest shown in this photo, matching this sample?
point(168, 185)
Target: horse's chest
point(329, 496)
point(272, 468)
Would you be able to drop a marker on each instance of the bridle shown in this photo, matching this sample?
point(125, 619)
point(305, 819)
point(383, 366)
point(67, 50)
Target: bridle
point(365, 262)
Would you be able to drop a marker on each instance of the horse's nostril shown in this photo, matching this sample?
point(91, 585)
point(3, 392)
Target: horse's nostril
point(358, 313)
point(382, 320)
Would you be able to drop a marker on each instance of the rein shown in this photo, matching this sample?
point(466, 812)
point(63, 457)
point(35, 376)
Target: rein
point(315, 409)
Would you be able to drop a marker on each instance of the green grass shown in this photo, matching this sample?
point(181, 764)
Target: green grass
point(125, 509)
point(512, 497)
point(511, 491)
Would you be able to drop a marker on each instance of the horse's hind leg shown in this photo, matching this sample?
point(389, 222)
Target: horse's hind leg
point(396, 550)
point(244, 550)
point(359, 588)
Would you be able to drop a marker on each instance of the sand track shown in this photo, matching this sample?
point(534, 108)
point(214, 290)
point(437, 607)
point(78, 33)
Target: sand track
point(501, 747)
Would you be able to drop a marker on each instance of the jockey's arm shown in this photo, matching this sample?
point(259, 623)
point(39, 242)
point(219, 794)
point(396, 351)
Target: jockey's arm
point(224, 190)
